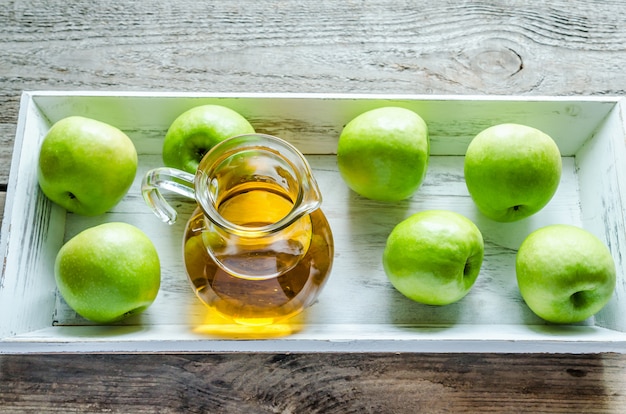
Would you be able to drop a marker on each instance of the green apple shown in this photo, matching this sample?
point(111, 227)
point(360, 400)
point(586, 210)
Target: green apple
point(108, 272)
point(565, 274)
point(512, 171)
point(196, 131)
point(434, 256)
point(86, 166)
point(382, 154)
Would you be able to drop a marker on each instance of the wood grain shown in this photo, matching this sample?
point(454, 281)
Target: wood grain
point(471, 47)
point(7, 135)
point(299, 383)
point(414, 46)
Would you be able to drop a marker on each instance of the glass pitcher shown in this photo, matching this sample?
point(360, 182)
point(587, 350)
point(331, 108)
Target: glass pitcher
point(258, 248)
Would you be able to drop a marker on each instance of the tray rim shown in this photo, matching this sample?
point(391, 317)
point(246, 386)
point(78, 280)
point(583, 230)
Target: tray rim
point(461, 338)
point(34, 93)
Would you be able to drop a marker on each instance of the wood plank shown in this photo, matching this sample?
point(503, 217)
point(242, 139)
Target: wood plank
point(485, 47)
point(297, 383)
point(7, 136)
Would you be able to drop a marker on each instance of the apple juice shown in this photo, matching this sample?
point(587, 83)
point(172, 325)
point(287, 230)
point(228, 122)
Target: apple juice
point(232, 288)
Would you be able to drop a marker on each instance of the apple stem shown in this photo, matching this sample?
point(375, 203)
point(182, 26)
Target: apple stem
point(466, 268)
point(578, 299)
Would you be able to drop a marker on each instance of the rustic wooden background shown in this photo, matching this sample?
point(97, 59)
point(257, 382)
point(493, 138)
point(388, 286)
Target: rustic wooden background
point(425, 47)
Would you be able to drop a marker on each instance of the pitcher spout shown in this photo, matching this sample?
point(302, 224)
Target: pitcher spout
point(256, 160)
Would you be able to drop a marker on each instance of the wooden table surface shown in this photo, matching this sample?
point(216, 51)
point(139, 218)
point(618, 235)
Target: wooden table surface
point(420, 47)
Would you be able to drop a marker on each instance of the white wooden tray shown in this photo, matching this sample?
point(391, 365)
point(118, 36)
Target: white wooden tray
point(358, 311)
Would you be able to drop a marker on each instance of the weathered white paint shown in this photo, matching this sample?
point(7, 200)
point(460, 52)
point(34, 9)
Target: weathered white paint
point(358, 309)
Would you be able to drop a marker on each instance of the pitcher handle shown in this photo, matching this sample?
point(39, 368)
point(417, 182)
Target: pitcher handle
point(171, 179)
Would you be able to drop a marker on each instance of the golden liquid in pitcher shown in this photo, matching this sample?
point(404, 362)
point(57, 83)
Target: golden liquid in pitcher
point(247, 300)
